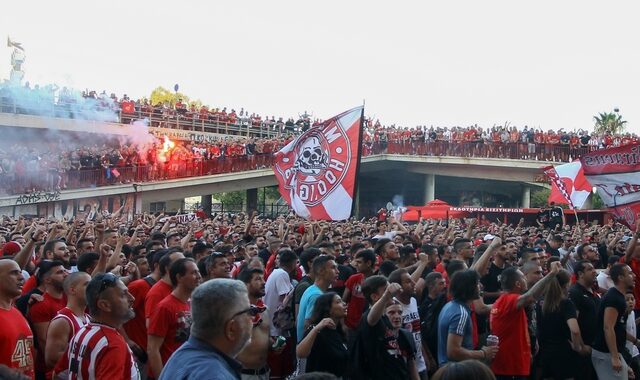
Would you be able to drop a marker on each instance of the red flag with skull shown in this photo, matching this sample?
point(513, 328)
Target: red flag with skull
point(317, 171)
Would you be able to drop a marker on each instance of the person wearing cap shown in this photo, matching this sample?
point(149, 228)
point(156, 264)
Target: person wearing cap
point(254, 356)
point(51, 274)
point(170, 322)
point(17, 348)
point(110, 306)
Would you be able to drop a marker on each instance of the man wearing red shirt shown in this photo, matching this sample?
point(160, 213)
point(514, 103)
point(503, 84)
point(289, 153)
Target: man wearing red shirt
point(40, 314)
point(16, 350)
point(136, 328)
point(509, 322)
point(171, 320)
point(109, 304)
point(353, 296)
point(162, 288)
point(66, 324)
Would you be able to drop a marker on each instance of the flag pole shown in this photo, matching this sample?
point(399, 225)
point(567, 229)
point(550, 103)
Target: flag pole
point(357, 182)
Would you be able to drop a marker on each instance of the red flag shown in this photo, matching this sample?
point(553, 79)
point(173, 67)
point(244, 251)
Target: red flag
point(614, 172)
point(317, 171)
point(128, 107)
point(568, 184)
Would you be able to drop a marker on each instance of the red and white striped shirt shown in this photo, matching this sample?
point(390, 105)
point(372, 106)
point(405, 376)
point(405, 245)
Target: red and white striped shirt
point(99, 352)
point(75, 324)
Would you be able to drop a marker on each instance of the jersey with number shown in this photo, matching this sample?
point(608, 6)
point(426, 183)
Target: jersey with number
point(75, 324)
point(16, 349)
point(99, 352)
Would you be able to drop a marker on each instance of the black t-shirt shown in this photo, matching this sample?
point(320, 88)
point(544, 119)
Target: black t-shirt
point(329, 353)
point(587, 305)
point(555, 216)
point(387, 355)
point(491, 282)
point(553, 331)
point(616, 300)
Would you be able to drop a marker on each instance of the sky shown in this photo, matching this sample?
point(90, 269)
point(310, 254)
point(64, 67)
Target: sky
point(547, 64)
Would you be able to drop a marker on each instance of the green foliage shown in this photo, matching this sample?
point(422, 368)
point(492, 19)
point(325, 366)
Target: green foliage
point(272, 194)
point(161, 95)
point(539, 198)
point(597, 202)
point(232, 198)
point(609, 123)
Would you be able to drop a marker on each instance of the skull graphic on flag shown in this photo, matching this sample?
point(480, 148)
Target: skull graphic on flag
point(316, 171)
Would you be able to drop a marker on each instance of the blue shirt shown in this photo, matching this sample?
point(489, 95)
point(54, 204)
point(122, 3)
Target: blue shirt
point(306, 308)
point(196, 359)
point(455, 318)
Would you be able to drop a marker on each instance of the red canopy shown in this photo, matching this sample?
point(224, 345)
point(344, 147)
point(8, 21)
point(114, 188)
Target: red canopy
point(435, 209)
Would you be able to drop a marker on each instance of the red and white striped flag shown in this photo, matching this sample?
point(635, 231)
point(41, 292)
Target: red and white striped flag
point(568, 184)
point(317, 171)
point(615, 172)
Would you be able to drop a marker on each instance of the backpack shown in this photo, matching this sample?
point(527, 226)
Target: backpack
point(283, 318)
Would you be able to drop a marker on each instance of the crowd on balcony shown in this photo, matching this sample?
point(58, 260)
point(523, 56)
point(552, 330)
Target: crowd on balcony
point(110, 161)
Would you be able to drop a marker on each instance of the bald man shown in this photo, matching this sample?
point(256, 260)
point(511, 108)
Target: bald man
point(66, 324)
point(16, 350)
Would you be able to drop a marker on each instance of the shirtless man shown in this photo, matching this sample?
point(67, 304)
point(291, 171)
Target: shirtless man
point(254, 356)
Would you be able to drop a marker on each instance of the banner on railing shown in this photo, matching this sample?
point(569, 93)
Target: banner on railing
point(181, 218)
point(193, 136)
point(614, 172)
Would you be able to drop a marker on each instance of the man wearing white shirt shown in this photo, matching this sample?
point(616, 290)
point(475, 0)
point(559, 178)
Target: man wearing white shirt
point(278, 286)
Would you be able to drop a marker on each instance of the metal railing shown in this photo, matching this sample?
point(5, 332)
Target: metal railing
point(154, 117)
point(94, 177)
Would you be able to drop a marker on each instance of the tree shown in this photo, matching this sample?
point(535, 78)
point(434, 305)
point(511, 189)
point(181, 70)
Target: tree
point(597, 202)
point(609, 123)
point(232, 198)
point(161, 95)
point(539, 198)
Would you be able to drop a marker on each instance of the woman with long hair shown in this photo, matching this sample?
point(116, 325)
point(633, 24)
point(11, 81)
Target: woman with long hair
point(325, 341)
point(558, 331)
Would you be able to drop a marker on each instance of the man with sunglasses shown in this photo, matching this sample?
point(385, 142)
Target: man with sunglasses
point(222, 327)
point(110, 306)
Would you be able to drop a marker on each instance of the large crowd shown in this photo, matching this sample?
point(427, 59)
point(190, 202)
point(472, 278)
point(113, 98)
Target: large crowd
point(48, 167)
point(109, 160)
point(241, 296)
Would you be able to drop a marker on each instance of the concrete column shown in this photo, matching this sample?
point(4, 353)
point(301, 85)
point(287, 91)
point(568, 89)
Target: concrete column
point(137, 203)
point(252, 200)
point(205, 202)
point(356, 206)
point(526, 197)
point(429, 187)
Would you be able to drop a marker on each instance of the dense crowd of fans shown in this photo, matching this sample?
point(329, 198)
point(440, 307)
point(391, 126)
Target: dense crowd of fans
point(105, 298)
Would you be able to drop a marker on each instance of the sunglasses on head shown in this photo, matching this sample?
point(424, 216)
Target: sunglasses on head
point(108, 280)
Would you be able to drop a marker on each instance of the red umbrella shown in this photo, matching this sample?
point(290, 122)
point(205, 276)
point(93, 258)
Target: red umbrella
point(435, 209)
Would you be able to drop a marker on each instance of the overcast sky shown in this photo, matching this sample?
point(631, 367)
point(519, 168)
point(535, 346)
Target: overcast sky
point(552, 64)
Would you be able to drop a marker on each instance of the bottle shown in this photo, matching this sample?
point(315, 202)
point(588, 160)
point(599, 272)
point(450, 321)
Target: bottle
point(493, 340)
point(280, 341)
